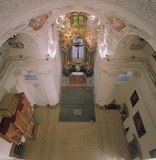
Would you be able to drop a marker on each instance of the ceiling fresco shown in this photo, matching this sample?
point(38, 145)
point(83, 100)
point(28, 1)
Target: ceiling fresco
point(18, 45)
point(100, 33)
point(138, 44)
point(116, 23)
point(134, 47)
point(103, 27)
point(38, 22)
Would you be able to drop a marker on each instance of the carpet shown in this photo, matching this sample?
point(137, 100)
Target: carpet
point(77, 80)
point(77, 106)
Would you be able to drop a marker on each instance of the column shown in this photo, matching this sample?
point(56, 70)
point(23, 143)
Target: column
point(105, 88)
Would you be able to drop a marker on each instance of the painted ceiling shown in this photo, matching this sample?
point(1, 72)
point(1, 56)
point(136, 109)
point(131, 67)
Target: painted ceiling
point(104, 26)
point(33, 35)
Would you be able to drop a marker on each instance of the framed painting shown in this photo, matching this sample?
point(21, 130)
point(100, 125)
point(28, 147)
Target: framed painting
point(139, 124)
point(134, 98)
point(153, 153)
point(154, 55)
point(134, 148)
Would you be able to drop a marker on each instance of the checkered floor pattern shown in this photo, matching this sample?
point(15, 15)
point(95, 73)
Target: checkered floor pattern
point(101, 140)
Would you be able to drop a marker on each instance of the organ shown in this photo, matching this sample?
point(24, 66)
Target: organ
point(17, 121)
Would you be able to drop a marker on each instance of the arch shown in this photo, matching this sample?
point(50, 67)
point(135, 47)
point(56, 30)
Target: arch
point(136, 40)
point(19, 46)
point(21, 22)
point(61, 8)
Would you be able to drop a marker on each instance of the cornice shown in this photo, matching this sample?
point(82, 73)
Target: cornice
point(138, 66)
point(15, 66)
point(145, 9)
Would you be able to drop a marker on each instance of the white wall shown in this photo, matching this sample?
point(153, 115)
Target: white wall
point(105, 89)
point(4, 148)
point(147, 109)
point(50, 87)
point(51, 81)
point(105, 81)
point(42, 91)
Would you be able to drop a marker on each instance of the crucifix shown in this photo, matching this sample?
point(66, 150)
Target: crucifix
point(77, 52)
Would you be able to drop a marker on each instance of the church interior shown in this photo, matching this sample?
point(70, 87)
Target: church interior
point(77, 79)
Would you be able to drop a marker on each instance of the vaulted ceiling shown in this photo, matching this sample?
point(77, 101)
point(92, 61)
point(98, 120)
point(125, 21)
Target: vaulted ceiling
point(35, 32)
point(116, 18)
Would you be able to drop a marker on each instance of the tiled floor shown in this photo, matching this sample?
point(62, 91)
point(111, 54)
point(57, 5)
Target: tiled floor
point(100, 140)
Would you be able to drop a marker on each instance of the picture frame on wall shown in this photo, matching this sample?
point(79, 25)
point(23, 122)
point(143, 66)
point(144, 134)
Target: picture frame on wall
point(153, 153)
point(139, 124)
point(134, 98)
point(134, 148)
point(154, 55)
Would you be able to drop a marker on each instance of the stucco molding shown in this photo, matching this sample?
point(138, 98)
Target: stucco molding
point(132, 30)
point(16, 66)
point(145, 8)
point(114, 67)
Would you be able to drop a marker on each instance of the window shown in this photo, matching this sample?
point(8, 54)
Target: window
point(78, 20)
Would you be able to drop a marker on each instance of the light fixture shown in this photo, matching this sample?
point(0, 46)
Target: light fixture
point(92, 17)
point(62, 17)
point(98, 22)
